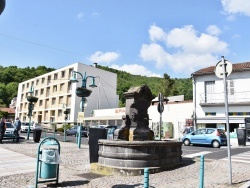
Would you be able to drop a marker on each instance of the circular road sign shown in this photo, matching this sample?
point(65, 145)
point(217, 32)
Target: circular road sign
point(219, 69)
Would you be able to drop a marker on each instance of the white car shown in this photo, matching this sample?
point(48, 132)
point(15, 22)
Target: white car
point(25, 127)
point(9, 129)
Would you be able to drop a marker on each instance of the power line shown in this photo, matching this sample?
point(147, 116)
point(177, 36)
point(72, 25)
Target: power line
point(42, 45)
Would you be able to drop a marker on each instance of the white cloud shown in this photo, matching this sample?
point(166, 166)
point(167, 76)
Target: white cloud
point(95, 14)
point(236, 6)
point(80, 15)
point(185, 49)
point(213, 30)
point(135, 69)
point(101, 57)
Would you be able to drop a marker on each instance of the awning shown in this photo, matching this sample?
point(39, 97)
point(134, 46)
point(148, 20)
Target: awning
point(103, 118)
point(215, 120)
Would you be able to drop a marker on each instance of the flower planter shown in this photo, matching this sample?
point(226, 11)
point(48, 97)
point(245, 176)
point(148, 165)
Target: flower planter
point(83, 92)
point(66, 112)
point(32, 99)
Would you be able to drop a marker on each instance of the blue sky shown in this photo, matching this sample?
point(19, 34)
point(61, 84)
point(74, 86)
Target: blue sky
point(143, 37)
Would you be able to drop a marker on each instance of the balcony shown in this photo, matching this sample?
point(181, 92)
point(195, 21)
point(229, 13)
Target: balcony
point(217, 99)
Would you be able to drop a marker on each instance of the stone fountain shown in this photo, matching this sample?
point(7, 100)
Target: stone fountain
point(134, 147)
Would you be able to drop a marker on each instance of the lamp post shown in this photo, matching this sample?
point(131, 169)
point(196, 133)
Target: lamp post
point(66, 112)
point(82, 92)
point(31, 99)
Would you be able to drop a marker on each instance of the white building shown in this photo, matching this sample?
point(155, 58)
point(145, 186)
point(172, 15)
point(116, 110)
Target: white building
point(54, 89)
point(176, 115)
point(208, 97)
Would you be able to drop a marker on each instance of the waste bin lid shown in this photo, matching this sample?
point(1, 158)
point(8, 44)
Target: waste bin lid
point(49, 143)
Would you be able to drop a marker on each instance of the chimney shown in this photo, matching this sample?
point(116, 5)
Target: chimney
point(95, 65)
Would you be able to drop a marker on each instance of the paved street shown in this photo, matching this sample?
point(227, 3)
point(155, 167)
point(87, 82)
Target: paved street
point(74, 170)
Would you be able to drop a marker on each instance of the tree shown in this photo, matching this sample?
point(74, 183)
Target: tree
point(168, 84)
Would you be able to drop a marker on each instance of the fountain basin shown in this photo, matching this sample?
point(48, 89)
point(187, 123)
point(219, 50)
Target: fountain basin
point(131, 157)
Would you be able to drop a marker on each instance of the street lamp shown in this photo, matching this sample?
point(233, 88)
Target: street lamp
point(31, 99)
point(82, 92)
point(66, 112)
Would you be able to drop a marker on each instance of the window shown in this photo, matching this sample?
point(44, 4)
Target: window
point(37, 81)
point(60, 100)
point(53, 101)
point(209, 91)
point(42, 91)
point(55, 76)
point(49, 80)
point(43, 79)
point(62, 74)
point(210, 131)
point(36, 92)
point(52, 112)
point(40, 102)
point(61, 87)
point(27, 86)
point(54, 88)
point(59, 112)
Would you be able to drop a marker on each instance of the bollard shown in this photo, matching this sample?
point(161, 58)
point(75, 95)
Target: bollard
point(202, 172)
point(44, 133)
point(79, 137)
point(146, 178)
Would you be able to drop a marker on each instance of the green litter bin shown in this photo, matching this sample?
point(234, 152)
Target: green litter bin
point(50, 161)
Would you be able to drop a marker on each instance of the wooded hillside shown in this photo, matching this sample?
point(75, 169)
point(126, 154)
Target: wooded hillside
point(11, 76)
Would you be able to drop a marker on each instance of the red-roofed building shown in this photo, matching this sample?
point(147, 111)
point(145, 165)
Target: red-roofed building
point(209, 100)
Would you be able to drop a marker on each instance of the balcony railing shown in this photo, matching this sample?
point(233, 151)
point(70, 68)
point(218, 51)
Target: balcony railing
point(218, 98)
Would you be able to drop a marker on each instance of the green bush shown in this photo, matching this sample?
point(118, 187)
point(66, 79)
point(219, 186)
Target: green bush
point(53, 126)
point(60, 129)
point(67, 126)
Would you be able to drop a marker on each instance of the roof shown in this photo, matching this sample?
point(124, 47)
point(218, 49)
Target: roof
point(238, 67)
point(9, 110)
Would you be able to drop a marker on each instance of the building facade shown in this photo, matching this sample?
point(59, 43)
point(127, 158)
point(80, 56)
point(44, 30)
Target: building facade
point(56, 94)
point(209, 100)
point(176, 115)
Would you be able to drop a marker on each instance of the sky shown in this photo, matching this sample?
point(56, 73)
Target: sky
point(142, 37)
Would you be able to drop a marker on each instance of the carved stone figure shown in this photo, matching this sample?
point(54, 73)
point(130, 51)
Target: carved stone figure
point(135, 123)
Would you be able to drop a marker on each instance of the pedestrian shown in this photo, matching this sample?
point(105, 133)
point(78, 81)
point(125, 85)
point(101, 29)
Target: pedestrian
point(17, 128)
point(2, 129)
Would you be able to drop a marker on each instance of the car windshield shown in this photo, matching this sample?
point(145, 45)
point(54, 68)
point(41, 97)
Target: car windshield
point(9, 125)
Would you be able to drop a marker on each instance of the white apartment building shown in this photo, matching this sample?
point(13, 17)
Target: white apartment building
point(55, 91)
point(208, 97)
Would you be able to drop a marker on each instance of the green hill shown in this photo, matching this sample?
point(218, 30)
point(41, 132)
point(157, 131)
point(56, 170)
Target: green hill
point(12, 75)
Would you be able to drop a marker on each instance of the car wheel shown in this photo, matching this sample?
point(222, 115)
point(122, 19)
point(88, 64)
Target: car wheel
point(186, 142)
point(216, 144)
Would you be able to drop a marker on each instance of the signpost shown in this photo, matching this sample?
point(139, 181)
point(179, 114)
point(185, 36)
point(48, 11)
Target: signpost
point(223, 70)
point(160, 109)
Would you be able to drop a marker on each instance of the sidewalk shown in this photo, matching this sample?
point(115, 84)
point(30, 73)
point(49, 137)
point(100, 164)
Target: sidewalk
point(234, 143)
point(75, 172)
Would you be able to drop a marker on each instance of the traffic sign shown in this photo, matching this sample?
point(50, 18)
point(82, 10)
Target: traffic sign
point(219, 72)
point(160, 107)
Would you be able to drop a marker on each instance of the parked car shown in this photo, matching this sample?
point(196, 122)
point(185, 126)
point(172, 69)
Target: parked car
point(207, 136)
point(25, 127)
point(36, 125)
point(73, 131)
point(9, 129)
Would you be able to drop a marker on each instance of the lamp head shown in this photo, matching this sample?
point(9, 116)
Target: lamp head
point(31, 91)
point(93, 83)
point(73, 78)
point(83, 103)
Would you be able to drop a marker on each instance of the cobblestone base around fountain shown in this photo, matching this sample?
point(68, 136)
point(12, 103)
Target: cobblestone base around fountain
point(131, 157)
